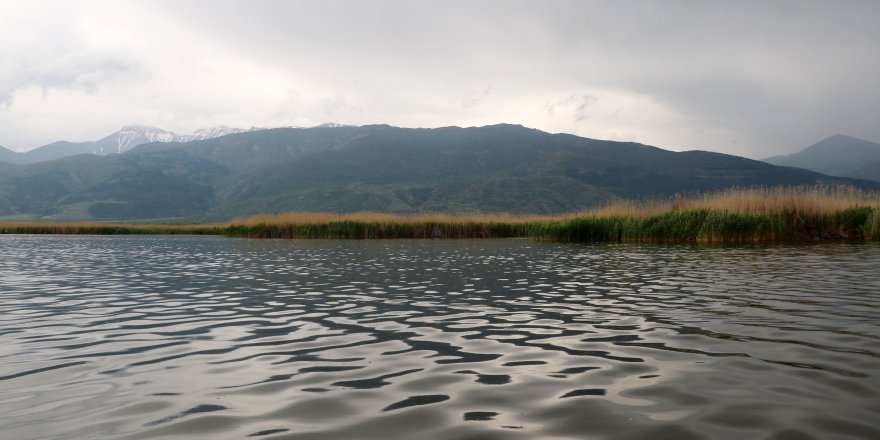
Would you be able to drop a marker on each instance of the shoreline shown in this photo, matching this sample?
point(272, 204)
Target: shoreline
point(754, 215)
point(859, 223)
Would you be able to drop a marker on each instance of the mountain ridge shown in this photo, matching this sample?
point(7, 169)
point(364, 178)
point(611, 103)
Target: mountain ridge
point(837, 155)
point(6, 155)
point(120, 141)
point(496, 168)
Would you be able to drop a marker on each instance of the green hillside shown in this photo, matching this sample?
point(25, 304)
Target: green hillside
point(500, 168)
point(149, 186)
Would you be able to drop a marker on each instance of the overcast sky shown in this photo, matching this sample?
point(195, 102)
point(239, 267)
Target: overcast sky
point(753, 78)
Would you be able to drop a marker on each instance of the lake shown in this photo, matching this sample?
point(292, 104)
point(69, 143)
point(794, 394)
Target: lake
point(138, 337)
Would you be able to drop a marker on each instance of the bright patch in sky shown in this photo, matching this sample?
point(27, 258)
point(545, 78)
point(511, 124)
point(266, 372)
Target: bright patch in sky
point(753, 79)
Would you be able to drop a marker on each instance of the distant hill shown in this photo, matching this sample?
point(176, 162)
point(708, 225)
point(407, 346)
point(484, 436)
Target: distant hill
point(837, 155)
point(870, 171)
point(498, 168)
point(53, 151)
point(121, 141)
point(7, 155)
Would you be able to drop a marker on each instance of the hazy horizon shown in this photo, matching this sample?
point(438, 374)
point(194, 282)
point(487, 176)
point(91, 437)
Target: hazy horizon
point(753, 79)
point(326, 123)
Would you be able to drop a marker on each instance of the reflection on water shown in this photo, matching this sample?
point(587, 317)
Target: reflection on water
point(206, 337)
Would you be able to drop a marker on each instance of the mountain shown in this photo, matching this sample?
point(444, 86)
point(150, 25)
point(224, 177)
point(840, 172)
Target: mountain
point(210, 133)
point(498, 168)
point(119, 142)
point(54, 150)
point(502, 168)
point(155, 186)
point(132, 136)
point(869, 171)
point(7, 155)
point(838, 155)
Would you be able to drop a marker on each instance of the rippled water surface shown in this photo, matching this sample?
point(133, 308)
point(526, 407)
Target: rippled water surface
point(208, 337)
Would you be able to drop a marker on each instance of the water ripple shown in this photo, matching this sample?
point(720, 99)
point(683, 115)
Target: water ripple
point(145, 337)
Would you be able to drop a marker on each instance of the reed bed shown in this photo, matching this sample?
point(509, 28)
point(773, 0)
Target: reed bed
point(729, 216)
point(813, 200)
point(95, 228)
point(378, 225)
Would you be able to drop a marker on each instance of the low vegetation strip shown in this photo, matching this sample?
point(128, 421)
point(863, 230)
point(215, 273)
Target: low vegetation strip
point(90, 228)
point(375, 225)
point(693, 225)
point(734, 216)
point(716, 226)
point(392, 229)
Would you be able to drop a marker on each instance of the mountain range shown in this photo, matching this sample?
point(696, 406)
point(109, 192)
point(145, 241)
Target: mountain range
point(119, 142)
point(497, 168)
point(838, 155)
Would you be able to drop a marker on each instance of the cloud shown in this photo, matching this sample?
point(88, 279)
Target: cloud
point(576, 105)
point(474, 99)
point(43, 49)
point(747, 79)
point(71, 71)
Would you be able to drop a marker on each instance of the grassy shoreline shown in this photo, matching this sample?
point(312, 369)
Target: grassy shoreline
point(96, 228)
point(733, 216)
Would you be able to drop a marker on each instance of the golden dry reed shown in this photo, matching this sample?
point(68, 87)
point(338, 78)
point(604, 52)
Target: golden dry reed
point(807, 200)
point(319, 218)
point(733, 215)
point(811, 200)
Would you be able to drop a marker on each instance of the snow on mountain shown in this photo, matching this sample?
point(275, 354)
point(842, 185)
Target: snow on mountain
point(209, 133)
point(125, 139)
point(133, 135)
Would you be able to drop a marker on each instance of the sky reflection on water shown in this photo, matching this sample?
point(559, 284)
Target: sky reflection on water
point(139, 337)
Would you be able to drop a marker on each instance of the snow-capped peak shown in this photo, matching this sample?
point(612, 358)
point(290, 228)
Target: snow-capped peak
point(133, 135)
point(333, 125)
point(209, 133)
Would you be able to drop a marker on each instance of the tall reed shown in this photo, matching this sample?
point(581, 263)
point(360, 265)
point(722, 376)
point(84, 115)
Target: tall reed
point(376, 225)
point(733, 216)
point(95, 228)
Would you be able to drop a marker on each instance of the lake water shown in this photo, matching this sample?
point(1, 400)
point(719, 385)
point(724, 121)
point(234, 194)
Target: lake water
point(209, 337)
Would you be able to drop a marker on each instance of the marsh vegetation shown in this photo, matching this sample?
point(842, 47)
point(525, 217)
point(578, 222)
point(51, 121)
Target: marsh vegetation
point(736, 215)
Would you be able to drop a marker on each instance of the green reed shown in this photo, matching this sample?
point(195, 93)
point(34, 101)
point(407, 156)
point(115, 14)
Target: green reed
point(707, 225)
point(105, 229)
point(688, 225)
point(352, 229)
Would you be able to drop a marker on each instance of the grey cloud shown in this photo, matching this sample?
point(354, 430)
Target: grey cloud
point(551, 107)
point(49, 54)
point(581, 110)
point(475, 99)
point(773, 76)
point(331, 105)
point(44, 49)
point(575, 105)
point(74, 72)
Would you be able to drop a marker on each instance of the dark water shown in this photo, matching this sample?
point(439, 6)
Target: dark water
point(206, 337)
